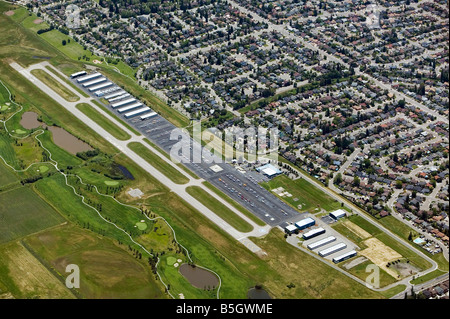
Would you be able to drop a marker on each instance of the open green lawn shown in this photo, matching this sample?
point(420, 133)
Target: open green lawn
point(25, 216)
point(98, 118)
point(160, 164)
point(308, 196)
point(72, 49)
point(219, 209)
point(55, 85)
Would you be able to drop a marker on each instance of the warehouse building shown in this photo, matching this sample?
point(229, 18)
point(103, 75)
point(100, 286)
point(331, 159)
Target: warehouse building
point(305, 223)
point(88, 77)
point(290, 229)
point(129, 107)
point(115, 94)
point(332, 249)
point(350, 254)
point(94, 82)
point(78, 74)
point(137, 112)
point(313, 233)
point(152, 114)
point(123, 103)
point(100, 86)
point(321, 242)
point(338, 214)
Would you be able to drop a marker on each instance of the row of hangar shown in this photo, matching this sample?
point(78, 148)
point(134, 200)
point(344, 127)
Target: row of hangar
point(120, 100)
point(309, 222)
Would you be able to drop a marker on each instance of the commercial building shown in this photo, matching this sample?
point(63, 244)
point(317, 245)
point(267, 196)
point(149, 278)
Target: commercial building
point(345, 256)
point(305, 223)
point(338, 214)
point(269, 170)
point(321, 242)
point(290, 229)
point(332, 249)
point(313, 233)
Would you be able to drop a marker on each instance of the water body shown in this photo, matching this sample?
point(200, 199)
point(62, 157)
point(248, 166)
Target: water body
point(199, 277)
point(257, 293)
point(126, 172)
point(30, 121)
point(61, 137)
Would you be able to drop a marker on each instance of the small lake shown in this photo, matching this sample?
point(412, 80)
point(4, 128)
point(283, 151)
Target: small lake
point(61, 137)
point(126, 172)
point(199, 277)
point(257, 293)
point(30, 121)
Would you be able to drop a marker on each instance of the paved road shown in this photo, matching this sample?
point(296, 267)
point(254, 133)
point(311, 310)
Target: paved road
point(180, 190)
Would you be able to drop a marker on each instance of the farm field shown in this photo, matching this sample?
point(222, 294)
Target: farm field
point(107, 269)
point(6, 175)
point(24, 277)
point(25, 216)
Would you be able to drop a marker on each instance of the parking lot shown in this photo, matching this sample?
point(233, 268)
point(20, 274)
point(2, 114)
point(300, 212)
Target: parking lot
point(242, 186)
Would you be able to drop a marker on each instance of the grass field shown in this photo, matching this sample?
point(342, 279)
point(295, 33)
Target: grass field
point(72, 49)
point(52, 70)
point(404, 251)
point(160, 164)
point(219, 209)
point(308, 196)
point(107, 110)
point(25, 277)
point(98, 118)
point(55, 85)
point(25, 216)
point(6, 175)
point(107, 270)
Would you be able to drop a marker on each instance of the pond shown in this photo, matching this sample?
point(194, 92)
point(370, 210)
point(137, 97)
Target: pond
point(199, 277)
point(126, 172)
point(30, 121)
point(61, 137)
point(257, 293)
